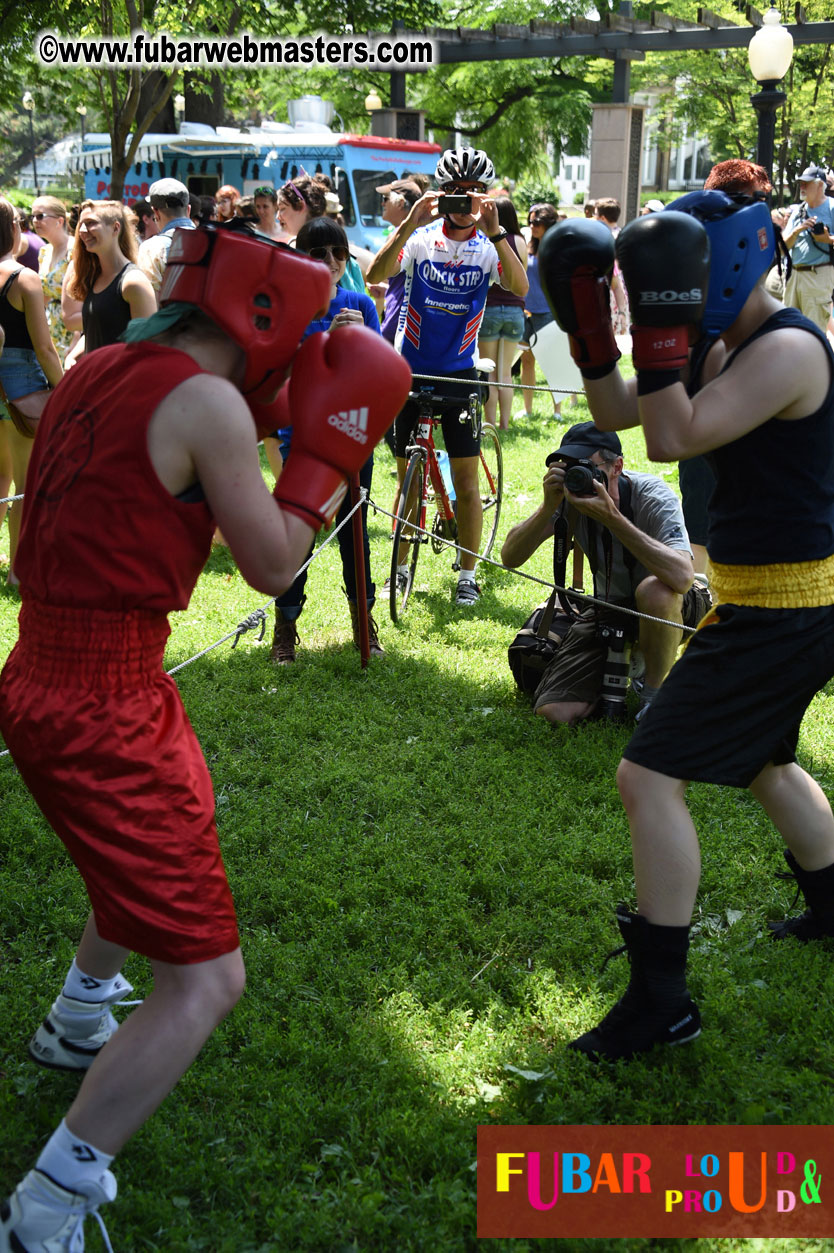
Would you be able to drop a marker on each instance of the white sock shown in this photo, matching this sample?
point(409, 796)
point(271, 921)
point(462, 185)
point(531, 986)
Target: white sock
point(402, 569)
point(81, 987)
point(466, 576)
point(70, 1161)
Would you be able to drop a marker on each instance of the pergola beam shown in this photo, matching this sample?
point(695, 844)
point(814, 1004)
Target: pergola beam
point(596, 39)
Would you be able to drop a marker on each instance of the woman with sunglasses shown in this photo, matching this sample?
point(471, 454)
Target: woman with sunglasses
point(49, 216)
point(324, 240)
point(105, 277)
point(29, 362)
point(266, 204)
point(540, 218)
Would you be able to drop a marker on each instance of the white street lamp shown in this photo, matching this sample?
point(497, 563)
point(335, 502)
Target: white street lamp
point(770, 52)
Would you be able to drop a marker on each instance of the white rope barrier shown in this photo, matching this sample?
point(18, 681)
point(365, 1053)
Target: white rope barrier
point(522, 387)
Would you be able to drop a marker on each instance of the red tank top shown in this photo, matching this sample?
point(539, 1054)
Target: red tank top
point(99, 529)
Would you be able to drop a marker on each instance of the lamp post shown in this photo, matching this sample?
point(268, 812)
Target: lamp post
point(770, 52)
point(179, 108)
point(81, 110)
point(29, 106)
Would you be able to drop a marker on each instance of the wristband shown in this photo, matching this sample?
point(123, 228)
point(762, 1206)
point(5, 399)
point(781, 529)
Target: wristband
point(598, 371)
point(659, 347)
point(649, 381)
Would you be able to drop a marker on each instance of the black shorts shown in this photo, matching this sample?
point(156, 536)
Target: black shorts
point(735, 700)
point(697, 483)
point(458, 437)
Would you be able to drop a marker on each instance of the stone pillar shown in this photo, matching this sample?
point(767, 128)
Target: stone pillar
point(616, 155)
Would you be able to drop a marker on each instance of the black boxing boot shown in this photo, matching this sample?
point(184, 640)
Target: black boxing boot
point(817, 887)
point(656, 1007)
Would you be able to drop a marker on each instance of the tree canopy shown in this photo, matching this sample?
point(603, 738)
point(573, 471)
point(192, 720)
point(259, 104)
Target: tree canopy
point(523, 112)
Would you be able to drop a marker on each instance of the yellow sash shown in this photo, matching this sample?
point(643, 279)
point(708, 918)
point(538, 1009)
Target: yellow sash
point(787, 585)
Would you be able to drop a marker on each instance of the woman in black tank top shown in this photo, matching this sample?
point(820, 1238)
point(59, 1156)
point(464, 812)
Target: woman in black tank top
point(29, 362)
point(105, 277)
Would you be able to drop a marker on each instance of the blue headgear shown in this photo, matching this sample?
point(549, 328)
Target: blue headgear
point(743, 246)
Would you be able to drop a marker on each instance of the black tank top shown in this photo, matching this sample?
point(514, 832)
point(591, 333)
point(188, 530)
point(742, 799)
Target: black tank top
point(105, 314)
point(774, 496)
point(12, 320)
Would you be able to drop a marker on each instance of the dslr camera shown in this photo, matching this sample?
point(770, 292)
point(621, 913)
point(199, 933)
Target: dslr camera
point(580, 473)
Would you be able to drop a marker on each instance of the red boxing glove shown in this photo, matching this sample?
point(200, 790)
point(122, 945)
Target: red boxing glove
point(346, 388)
point(270, 415)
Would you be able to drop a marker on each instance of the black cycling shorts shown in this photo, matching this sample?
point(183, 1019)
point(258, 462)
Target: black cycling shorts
point(458, 437)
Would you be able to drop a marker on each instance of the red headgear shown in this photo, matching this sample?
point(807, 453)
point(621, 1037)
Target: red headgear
point(262, 294)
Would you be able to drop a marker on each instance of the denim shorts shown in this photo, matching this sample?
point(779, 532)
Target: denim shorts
point(20, 373)
point(502, 322)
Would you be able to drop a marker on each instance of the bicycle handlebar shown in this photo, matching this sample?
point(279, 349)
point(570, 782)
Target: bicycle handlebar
point(429, 399)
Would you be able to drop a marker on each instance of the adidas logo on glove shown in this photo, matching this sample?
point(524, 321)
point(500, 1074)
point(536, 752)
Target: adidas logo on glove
point(352, 422)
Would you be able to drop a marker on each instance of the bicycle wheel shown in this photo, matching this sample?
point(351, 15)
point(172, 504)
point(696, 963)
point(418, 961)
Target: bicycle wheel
point(491, 484)
point(408, 513)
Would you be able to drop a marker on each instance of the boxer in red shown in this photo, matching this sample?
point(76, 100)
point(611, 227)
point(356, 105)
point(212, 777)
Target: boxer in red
point(141, 452)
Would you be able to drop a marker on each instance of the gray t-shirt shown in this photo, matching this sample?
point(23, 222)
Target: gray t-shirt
point(657, 512)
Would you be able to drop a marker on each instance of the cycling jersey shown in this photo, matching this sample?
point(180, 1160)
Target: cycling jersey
point(446, 287)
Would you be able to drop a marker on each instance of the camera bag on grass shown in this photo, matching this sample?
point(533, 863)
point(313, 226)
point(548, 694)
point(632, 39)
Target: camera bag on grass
point(533, 648)
point(535, 645)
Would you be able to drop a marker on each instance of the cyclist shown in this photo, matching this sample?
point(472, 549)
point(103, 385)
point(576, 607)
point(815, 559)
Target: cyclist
point(449, 261)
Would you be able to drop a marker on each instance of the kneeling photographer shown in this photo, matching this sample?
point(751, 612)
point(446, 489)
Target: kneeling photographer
point(631, 528)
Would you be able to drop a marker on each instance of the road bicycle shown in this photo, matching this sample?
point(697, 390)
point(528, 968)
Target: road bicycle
point(424, 488)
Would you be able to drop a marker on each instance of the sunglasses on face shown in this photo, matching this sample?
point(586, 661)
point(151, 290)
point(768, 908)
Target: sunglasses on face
point(338, 251)
point(38, 217)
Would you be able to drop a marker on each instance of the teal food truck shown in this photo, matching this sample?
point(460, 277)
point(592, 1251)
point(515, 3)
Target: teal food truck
point(205, 158)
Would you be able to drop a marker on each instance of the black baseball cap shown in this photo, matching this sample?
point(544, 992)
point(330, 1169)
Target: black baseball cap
point(583, 439)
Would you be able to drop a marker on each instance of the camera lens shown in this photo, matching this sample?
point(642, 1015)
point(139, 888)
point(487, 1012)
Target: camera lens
point(579, 481)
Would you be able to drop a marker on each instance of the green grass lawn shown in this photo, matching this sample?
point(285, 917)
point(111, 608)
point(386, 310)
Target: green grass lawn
point(425, 876)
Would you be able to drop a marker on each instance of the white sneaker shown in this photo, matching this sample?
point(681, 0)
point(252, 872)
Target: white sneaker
point(42, 1217)
point(467, 592)
point(73, 1033)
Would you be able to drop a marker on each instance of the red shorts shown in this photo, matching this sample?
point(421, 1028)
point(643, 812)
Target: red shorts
point(102, 741)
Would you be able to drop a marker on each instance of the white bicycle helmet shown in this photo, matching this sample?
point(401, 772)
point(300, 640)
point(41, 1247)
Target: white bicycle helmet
point(464, 165)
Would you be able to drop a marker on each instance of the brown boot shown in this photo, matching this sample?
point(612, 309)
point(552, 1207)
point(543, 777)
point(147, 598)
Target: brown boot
point(375, 648)
point(284, 639)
